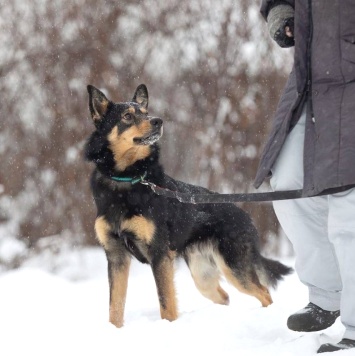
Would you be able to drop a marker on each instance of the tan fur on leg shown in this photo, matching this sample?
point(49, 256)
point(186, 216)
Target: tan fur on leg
point(164, 279)
point(251, 287)
point(206, 275)
point(118, 291)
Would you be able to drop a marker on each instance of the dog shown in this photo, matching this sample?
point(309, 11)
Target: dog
point(132, 221)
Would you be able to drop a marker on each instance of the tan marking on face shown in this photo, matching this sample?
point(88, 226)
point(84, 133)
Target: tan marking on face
point(102, 229)
point(118, 292)
point(143, 111)
point(125, 151)
point(131, 110)
point(143, 228)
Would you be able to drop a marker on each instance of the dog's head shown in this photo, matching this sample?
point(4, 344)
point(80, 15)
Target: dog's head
point(124, 132)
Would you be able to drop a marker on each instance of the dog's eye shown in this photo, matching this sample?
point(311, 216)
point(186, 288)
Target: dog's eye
point(128, 117)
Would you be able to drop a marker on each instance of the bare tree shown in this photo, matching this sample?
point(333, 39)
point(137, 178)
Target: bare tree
point(212, 75)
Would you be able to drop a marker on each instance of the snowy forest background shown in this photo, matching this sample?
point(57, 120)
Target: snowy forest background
point(213, 75)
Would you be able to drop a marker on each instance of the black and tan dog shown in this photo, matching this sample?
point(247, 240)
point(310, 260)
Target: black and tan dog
point(214, 239)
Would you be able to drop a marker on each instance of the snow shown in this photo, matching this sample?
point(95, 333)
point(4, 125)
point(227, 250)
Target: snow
point(65, 313)
point(10, 248)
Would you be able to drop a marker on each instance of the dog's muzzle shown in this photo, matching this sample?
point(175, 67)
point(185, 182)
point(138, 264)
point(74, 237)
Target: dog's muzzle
point(155, 134)
point(156, 122)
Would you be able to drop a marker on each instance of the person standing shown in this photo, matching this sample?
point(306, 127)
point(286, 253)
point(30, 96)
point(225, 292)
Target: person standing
point(311, 147)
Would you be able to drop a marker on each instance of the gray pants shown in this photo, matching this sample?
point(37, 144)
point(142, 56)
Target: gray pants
point(322, 232)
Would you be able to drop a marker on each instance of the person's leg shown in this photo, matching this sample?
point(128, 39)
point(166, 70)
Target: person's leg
point(341, 227)
point(305, 222)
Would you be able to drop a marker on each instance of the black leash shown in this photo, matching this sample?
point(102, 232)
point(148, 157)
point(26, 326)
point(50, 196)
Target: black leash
point(214, 198)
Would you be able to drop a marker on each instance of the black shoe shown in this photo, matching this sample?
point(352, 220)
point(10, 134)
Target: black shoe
point(344, 344)
point(312, 318)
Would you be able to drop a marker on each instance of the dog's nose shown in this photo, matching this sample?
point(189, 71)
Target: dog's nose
point(156, 122)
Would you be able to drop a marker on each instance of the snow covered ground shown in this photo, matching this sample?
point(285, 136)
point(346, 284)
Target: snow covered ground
point(66, 313)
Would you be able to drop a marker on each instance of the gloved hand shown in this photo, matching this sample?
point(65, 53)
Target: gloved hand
point(281, 25)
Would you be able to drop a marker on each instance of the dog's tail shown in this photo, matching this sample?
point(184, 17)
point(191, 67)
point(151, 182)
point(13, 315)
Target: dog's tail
point(270, 272)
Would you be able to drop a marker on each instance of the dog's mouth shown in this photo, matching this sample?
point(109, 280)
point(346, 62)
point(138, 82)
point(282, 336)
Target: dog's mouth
point(149, 139)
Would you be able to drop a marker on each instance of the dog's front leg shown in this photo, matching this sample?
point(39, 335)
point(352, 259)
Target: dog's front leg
point(118, 261)
point(118, 279)
point(163, 270)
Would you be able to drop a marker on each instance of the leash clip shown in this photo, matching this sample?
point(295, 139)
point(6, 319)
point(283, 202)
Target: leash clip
point(149, 184)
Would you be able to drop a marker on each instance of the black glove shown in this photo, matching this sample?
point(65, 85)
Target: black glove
point(280, 36)
point(280, 17)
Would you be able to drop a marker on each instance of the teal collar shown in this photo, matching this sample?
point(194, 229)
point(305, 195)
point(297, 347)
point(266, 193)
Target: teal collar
point(132, 180)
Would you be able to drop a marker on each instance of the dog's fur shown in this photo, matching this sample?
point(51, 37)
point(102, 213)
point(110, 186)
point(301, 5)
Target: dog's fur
point(214, 239)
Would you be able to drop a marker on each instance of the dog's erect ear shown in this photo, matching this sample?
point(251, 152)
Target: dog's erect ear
point(98, 103)
point(141, 96)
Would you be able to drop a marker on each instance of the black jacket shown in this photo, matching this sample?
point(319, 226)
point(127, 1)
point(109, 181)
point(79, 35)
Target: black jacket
point(323, 75)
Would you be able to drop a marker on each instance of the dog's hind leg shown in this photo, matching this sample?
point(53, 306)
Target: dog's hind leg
point(205, 274)
point(246, 282)
point(163, 270)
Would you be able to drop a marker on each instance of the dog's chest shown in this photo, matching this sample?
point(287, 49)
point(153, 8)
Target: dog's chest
point(137, 248)
point(138, 233)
